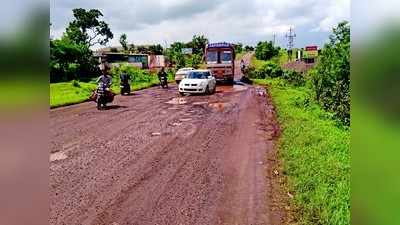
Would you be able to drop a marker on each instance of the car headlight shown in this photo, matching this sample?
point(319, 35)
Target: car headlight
point(203, 83)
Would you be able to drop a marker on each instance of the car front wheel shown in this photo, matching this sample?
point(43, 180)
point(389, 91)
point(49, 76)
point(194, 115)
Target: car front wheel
point(207, 91)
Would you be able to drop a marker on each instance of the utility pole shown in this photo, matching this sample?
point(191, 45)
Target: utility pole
point(274, 39)
point(290, 45)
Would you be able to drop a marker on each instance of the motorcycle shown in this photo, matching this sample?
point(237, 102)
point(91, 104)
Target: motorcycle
point(163, 82)
point(103, 96)
point(125, 88)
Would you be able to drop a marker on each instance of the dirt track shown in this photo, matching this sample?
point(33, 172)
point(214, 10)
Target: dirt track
point(155, 158)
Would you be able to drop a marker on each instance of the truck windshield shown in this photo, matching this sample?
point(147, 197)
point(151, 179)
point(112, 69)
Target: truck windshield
point(212, 57)
point(226, 57)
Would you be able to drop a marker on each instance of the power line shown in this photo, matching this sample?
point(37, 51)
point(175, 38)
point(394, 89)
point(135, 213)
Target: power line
point(274, 39)
point(290, 36)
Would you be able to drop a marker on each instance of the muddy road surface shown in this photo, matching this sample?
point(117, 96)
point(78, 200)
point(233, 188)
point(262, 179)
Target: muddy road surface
point(156, 158)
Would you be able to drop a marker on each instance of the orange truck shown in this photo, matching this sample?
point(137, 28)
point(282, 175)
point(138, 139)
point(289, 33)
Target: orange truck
point(220, 58)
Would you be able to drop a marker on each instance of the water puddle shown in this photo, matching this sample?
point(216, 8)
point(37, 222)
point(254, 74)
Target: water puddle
point(185, 119)
point(156, 134)
point(177, 101)
point(219, 106)
point(233, 88)
point(199, 103)
point(57, 156)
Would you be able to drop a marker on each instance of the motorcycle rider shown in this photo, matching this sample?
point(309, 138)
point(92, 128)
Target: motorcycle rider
point(125, 83)
point(105, 78)
point(242, 65)
point(162, 74)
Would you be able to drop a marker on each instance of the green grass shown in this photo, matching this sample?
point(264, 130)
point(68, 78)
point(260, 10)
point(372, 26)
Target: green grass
point(314, 151)
point(281, 59)
point(256, 62)
point(63, 94)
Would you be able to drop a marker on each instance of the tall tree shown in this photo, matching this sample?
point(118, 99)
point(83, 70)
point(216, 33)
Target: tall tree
point(265, 50)
point(123, 42)
point(86, 28)
point(199, 43)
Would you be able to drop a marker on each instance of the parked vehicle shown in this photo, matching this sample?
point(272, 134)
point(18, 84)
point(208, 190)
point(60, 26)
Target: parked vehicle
point(182, 73)
point(164, 82)
point(198, 81)
point(103, 96)
point(220, 59)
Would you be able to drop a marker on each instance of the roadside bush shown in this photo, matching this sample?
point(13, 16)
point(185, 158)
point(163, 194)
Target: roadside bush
point(265, 50)
point(269, 69)
point(331, 77)
point(294, 78)
point(136, 74)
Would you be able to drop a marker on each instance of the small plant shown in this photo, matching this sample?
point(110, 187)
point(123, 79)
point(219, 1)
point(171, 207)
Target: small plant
point(75, 83)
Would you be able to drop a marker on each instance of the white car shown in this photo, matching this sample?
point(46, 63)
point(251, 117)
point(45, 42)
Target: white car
point(182, 73)
point(198, 81)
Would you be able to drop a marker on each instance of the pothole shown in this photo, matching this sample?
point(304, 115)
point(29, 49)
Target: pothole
point(199, 103)
point(219, 106)
point(232, 88)
point(57, 156)
point(177, 101)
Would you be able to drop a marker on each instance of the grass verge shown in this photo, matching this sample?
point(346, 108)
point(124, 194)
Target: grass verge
point(69, 93)
point(314, 151)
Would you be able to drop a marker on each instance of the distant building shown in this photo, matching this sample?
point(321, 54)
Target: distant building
point(143, 61)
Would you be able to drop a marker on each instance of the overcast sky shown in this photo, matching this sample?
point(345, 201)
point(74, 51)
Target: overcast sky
point(246, 21)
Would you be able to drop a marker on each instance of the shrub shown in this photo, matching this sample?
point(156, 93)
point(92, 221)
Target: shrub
point(75, 83)
point(331, 77)
point(265, 50)
point(269, 69)
point(135, 73)
point(295, 78)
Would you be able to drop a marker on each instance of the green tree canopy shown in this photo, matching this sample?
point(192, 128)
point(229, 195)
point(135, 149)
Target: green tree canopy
point(198, 44)
point(86, 28)
point(123, 41)
point(265, 50)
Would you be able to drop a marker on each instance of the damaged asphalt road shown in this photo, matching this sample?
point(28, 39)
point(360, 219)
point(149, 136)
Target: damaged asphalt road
point(156, 158)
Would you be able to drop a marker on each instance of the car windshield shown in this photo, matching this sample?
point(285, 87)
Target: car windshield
point(212, 57)
point(226, 57)
point(198, 75)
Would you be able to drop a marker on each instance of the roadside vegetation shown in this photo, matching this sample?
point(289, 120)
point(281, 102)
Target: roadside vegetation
point(73, 69)
point(313, 112)
point(73, 92)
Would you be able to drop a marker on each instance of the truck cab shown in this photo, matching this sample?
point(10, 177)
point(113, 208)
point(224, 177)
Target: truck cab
point(220, 58)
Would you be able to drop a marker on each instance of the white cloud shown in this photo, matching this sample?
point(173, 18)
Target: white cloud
point(248, 21)
point(333, 13)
